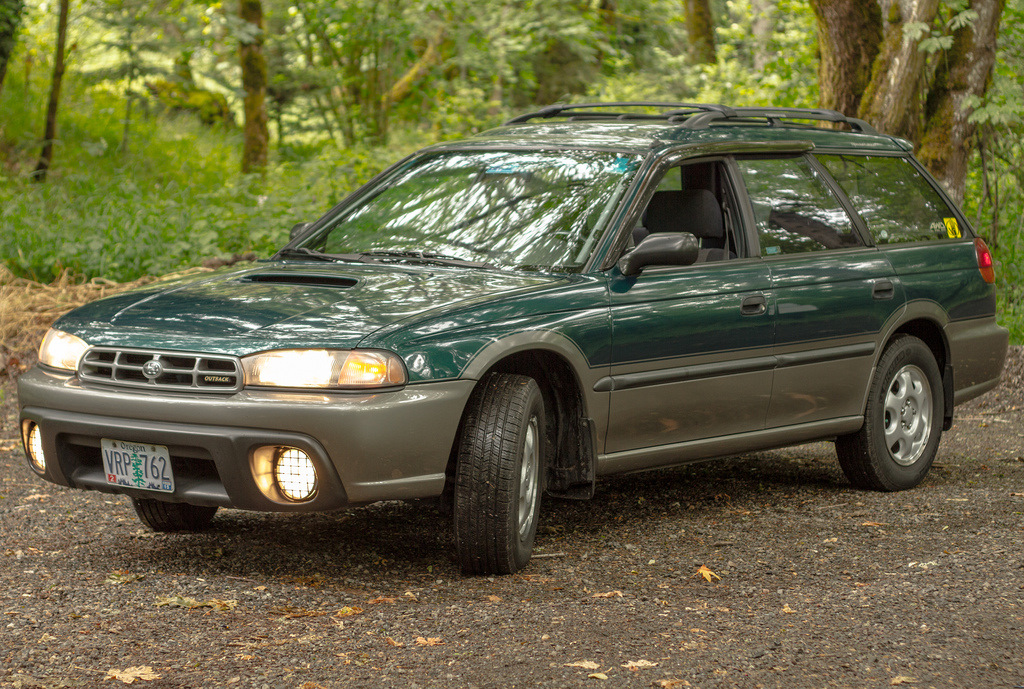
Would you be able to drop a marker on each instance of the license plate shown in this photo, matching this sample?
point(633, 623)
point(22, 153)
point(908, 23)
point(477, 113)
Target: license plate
point(137, 465)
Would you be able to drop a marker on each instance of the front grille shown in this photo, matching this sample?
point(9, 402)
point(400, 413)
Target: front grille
point(158, 370)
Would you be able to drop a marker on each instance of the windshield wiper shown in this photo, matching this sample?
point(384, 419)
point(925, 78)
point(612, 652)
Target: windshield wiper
point(425, 257)
point(312, 255)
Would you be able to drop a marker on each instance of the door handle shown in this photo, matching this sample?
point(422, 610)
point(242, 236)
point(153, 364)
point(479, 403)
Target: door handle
point(883, 289)
point(753, 305)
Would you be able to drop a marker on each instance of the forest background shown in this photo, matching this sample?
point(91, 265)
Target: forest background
point(138, 137)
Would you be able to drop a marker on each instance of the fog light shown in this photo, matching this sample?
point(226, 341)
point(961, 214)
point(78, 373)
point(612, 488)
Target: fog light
point(294, 474)
point(34, 443)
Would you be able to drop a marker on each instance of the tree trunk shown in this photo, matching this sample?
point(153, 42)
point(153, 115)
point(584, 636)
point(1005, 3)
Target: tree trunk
point(700, 27)
point(50, 132)
point(764, 24)
point(849, 36)
point(966, 72)
point(892, 101)
point(10, 20)
point(430, 57)
point(254, 83)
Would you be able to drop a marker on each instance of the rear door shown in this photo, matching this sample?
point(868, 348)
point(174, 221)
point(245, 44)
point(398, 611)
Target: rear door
point(833, 293)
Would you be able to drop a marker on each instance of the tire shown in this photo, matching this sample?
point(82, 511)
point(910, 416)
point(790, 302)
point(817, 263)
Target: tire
point(172, 516)
point(895, 447)
point(499, 475)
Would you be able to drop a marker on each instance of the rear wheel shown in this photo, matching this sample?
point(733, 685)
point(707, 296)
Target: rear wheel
point(499, 475)
point(172, 516)
point(902, 421)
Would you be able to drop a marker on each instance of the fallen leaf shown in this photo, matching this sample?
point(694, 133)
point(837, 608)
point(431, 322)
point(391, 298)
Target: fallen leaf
point(788, 610)
point(122, 577)
point(609, 594)
point(192, 603)
point(874, 524)
point(130, 674)
point(429, 641)
point(380, 599)
point(671, 683)
point(347, 612)
point(396, 644)
point(706, 573)
point(637, 664)
point(494, 599)
point(597, 675)
point(902, 679)
point(585, 664)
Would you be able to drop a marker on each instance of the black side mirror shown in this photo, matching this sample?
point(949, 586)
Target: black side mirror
point(299, 229)
point(661, 249)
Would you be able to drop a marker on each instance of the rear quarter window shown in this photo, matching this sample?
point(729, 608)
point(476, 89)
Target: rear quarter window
point(896, 201)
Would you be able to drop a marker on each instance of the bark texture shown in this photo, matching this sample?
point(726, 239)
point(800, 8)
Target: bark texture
point(850, 37)
point(967, 70)
point(254, 83)
point(893, 99)
point(700, 27)
point(50, 130)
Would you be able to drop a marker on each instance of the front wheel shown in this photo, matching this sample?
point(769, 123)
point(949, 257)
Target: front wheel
point(172, 516)
point(499, 475)
point(895, 447)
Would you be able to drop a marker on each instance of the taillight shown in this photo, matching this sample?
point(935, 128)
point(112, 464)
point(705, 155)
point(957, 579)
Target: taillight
point(985, 265)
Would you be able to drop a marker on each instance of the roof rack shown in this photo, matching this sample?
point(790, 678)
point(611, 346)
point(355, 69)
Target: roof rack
point(691, 115)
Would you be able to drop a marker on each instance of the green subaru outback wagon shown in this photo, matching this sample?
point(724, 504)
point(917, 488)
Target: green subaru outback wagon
point(587, 290)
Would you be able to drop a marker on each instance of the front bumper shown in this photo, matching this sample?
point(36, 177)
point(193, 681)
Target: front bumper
point(365, 446)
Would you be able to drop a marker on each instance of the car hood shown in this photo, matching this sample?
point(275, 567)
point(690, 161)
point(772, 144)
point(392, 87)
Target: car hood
point(285, 305)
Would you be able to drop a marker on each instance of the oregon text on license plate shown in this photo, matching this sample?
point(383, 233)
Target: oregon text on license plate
point(137, 465)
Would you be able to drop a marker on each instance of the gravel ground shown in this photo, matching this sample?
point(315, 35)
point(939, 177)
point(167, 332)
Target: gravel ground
point(820, 585)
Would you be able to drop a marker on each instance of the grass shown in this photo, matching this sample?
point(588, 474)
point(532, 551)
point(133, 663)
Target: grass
point(172, 199)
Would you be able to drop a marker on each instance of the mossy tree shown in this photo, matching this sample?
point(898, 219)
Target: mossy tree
point(254, 84)
point(849, 37)
point(961, 79)
point(700, 29)
point(915, 75)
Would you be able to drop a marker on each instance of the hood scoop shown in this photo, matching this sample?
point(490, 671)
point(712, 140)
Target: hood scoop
point(315, 279)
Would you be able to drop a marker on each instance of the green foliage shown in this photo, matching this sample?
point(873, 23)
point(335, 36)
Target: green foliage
point(995, 184)
point(176, 201)
point(788, 77)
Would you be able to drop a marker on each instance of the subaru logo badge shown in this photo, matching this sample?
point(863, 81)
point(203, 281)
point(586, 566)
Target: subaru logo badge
point(152, 369)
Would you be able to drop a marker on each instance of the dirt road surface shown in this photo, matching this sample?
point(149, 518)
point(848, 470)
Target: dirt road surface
point(809, 583)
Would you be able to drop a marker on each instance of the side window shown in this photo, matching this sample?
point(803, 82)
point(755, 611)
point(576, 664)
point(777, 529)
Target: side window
point(895, 200)
point(695, 198)
point(794, 209)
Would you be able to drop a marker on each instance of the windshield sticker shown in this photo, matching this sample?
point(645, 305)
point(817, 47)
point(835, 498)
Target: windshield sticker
point(952, 228)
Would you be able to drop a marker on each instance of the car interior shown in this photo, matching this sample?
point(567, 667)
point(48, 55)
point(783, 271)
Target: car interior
point(696, 199)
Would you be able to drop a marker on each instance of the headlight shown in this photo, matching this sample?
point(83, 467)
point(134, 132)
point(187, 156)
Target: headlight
point(61, 350)
point(324, 368)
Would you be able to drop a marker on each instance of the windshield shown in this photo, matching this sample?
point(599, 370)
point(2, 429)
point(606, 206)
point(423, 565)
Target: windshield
point(532, 210)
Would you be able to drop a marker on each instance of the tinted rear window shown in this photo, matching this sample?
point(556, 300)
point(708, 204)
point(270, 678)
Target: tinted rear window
point(894, 198)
